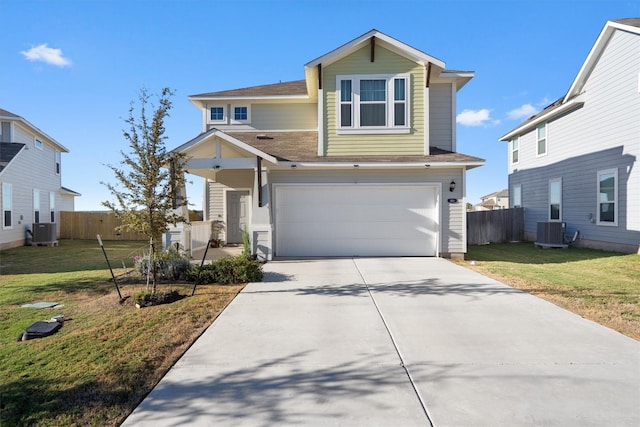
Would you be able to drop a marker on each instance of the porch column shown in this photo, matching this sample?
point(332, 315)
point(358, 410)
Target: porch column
point(261, 227)
point(181, 232)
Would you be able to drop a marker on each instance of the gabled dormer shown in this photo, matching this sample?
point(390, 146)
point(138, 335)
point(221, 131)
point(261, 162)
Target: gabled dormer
point(379, 96)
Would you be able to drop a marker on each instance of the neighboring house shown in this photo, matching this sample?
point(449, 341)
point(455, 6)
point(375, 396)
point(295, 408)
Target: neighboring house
point(493, 201)
point(576, 161)
point(30, 179)
point(357, 159)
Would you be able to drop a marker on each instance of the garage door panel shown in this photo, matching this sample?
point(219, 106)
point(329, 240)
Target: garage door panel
point(356, 220)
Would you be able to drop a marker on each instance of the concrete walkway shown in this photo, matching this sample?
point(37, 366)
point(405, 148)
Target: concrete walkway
point(396, 342)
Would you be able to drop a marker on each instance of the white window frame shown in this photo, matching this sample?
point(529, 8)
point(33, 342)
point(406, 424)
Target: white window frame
point(517, 195)
point(36, 206)
point(232, 114)
point(549, 201)
point(613, 172)
point(515, 149)
point(390, 102)
point(7, 199)
point(539, 140)
point(38, 144)
point(224, 114)
point(52, 206)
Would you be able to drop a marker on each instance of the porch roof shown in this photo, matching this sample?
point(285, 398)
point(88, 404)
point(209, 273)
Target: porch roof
point(303, 147)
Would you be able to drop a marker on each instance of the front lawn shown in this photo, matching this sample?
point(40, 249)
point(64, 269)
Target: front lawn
point(108, 355)
point(600, 286)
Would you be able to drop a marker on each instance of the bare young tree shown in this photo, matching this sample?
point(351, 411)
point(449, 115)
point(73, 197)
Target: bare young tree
point(149, 179)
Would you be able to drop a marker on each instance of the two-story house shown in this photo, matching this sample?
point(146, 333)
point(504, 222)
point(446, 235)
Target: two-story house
point(357, 159)
point(30, 179)
point(493, 201)
point(576, 162)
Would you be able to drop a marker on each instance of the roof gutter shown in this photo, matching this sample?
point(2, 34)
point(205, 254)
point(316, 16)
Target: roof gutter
point(575, 103)
point(378, 165)
point(26, 122)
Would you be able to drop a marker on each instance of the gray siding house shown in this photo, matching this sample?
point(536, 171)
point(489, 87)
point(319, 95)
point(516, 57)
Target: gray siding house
point(30, 179)
point(357, 159)
point(577, 160)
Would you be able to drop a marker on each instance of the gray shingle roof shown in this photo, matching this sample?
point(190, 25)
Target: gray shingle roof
point(297, 87)
point(634, 22)
point(8, 150)
point(5, 113)
point(303, 147)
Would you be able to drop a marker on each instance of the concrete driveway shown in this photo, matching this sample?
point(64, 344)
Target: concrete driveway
point(396, 342)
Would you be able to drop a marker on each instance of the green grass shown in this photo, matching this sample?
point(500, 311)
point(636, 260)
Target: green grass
point(601, 286)
point(108, 355)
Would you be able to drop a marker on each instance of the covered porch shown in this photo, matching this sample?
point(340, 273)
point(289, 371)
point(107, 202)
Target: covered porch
point(235, 200)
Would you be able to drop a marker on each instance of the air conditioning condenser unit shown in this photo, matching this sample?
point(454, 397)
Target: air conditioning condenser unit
point(44, 233)
point(551, 235)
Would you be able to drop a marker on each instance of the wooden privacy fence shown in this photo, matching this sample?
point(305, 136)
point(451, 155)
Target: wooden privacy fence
point(86, 225)
point(499, 226)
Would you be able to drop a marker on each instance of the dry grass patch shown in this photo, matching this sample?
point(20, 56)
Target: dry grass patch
point(108, 355)
point(600, 286)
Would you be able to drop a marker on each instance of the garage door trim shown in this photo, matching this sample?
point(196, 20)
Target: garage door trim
point(433, 214)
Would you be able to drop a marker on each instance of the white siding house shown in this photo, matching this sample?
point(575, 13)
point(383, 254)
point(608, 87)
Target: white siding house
point(30, 179)
point(577, 160)
point(357, 159)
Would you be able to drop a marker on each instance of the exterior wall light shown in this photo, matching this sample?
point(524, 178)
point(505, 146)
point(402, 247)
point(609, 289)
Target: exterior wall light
point(452, 186)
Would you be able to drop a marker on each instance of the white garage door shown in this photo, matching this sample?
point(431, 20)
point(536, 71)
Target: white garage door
point(356, 220)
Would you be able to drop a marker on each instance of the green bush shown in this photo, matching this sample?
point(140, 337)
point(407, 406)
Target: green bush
point(237, 269)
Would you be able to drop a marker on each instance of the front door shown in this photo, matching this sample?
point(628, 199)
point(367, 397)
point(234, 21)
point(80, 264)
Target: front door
point(237, 215)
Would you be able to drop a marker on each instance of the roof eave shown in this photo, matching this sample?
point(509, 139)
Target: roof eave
point(594, 55)
point(220, 134)
point(59, 146)
point(379, 165)
point(572, 104)
point(460, 77)
point(384, 41)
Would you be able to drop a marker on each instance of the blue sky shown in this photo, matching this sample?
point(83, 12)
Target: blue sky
point(72, 67)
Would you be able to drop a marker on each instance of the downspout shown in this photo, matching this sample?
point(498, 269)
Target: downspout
point(427, 104)
point(320, 113)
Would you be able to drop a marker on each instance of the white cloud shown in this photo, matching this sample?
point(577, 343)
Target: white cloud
point(46, 54)
point(522, 112)
point(544, 102)
point(476, 118)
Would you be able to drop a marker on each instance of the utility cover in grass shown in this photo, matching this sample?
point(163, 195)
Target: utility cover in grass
point(42, 304)
point(40, 330)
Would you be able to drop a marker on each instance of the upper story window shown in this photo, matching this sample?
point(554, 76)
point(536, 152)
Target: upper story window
point(515, 149)
point(7, 205)
point(37, 143)
point(373, 103)
point(216, 114)
point(608, 197)
point(542, 140)
point(57, 163)
point(555, 199)
point(240, 114)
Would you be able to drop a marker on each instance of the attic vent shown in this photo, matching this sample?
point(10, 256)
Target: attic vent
point(263, 136)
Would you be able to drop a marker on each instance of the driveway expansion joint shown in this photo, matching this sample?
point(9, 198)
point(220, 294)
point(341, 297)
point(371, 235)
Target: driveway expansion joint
point(395, 346)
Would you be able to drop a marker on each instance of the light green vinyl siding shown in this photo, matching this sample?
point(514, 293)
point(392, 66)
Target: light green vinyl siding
point(386, 62)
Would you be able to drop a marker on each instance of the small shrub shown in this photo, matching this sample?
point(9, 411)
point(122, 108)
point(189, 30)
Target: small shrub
point(170, 265)
point(246, 243)
point(206, 274)
point(229, 270)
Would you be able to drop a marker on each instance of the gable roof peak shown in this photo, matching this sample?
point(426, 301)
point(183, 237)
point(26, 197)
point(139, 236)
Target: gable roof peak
point(12, 117)
point(385, 41)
